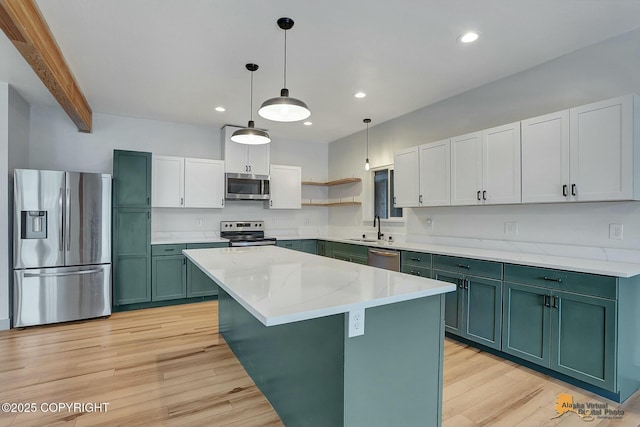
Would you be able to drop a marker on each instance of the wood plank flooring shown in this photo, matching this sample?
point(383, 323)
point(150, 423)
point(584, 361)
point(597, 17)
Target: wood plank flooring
point(169, 367)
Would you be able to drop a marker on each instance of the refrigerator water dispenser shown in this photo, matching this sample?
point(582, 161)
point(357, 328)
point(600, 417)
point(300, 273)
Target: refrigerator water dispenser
point(34, 224)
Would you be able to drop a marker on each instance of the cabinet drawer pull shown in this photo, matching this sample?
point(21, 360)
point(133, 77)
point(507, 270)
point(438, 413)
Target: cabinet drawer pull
point(420, 199)
point(484, 195)
point(414, 259)
point(460, 284)
point(464, 266)
point(478, 195)
point(415, 273)
point(545, 300)
point(552, 279)
point(565, 190)
point(555, 302)
point(573, 189)
point(169, 250)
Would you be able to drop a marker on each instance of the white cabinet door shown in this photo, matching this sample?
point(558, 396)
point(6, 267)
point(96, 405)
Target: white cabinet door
point(466, 169)
point(243, 158)
point(435, 174)
point(501, 172)
point(258, 159)
point(167, 190)
point(286, 187)
point(545, 158)
point(204, 183)
point(406, 178)
point(602, 150)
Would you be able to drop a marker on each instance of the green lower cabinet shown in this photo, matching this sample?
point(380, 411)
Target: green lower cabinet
point(198, 283)
point(321, 248)
point(583, 338)
point(348, 252)
point(168, 277)
point(569, 333)
point(131, 256)
point(310, 246)
point(303, 245)
point(474, 310)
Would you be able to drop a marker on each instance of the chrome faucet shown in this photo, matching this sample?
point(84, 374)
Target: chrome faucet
point(377, 217)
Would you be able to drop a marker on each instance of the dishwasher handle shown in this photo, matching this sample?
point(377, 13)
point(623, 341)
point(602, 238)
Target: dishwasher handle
point(384, 253)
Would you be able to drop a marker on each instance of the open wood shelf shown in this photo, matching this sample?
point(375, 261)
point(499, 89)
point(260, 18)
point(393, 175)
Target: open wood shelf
point(333, 204)
point(331, 183)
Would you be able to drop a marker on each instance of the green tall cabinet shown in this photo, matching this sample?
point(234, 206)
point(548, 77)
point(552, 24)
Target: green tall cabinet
point(131, 227)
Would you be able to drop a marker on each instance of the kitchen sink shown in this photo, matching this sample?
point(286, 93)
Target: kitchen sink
point(363, 240)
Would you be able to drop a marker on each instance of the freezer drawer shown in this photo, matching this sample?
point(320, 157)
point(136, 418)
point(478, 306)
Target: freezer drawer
point(51, 295)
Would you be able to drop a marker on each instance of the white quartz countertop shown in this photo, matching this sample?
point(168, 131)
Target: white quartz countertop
point(173, 238)
point(281, 286)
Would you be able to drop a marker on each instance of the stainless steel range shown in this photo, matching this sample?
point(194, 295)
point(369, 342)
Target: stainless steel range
point(245, 233)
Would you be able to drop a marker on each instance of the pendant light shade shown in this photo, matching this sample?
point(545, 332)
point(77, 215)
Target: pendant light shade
point(250, 135)
point(366, 162)
point(284, 108)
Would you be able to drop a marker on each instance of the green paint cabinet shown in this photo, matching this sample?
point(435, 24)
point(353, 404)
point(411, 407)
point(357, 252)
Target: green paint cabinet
point(416, 263)
point(295, 245)
point(310, 246)
point(168, 277)
point(321, 248)
point(131, 228)
point(304, 245)
point(571, 333)
point(198, 283)
point(474, 311)
point(131, 179)
point(348, 252)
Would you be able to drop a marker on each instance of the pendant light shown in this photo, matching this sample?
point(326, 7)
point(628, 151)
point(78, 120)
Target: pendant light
point(366, 162)
point(284, 108)
point(250, 135)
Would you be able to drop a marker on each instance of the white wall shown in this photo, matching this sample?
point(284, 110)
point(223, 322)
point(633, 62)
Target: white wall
point(597, 72)
point(56, 144)
point(5, 241)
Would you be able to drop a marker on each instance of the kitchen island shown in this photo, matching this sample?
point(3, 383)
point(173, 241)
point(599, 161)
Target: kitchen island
point(288, 317)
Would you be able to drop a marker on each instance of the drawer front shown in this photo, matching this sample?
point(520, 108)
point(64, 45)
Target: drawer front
point(296, 245)
point(158, 250)
point(416, 271)
point(357, 250)
point(207, 245)
point(417, 259)
point(473, 267)
point(582, 283)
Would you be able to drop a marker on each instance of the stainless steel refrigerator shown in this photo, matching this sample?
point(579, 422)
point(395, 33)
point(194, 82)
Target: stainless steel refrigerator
point(61, 246)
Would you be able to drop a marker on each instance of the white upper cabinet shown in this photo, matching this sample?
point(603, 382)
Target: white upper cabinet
point(285, 185)
point(545, 158)
point(435, 174)
point(167, 187)
point(187, 183)
point(604, 140)
point(485, 166)
point(406, 178)
point(244, 158)
point(466, 169)
point(203, 183)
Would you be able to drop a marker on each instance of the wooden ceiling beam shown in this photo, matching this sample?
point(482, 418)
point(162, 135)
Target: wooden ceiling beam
point(24, 25)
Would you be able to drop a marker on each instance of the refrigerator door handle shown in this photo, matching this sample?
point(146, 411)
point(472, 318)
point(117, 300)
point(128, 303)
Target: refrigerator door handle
point(61, 242)
point(63, 273)
point(67, 214)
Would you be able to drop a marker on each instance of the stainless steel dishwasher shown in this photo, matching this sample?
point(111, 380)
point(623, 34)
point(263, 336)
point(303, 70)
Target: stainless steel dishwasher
point(381, 258)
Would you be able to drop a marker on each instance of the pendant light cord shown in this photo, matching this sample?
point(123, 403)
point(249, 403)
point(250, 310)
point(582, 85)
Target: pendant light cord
point(285, 59)
point(251, 102)
point(367, 140)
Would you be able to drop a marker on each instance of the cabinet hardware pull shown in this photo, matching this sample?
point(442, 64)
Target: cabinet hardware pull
point(414, 259)
point(249, 168)
point(415, 273)
point(545, 300)
point(484, 194)
point(222, 203)
point(148, 201)
point(574, 188)
point(148, 215)
point(460, 285)
point(184, 261)
point(466, 283)
point(464, 266)
point(565, 190)
point(388, 254)
point(478, 195)
point(246, 168)
point(552, 279)
point(420, 199)
point(270, 202)
point(555, 302)
point(169, 250)
point(394, 200)
point(182, 200)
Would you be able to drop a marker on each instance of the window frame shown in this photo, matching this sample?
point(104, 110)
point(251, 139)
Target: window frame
point(372, 190)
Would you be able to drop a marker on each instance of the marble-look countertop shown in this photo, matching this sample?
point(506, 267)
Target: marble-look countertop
point(582, 265)
point(281, 286)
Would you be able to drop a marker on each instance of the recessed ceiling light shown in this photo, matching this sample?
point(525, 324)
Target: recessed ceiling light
point(221, 109)
point(468, 37)
point(307, 123)
point(359, 94)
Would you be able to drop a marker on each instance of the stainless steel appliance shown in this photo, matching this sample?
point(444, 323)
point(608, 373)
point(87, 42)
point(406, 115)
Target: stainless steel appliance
point(389, 260)
point(245, 233)
point(240, 186)
point(61, 246)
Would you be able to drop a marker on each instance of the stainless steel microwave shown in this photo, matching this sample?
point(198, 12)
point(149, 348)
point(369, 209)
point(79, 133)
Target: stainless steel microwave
point(240, 186)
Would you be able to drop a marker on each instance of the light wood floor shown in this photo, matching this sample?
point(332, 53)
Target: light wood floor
point(169, 367)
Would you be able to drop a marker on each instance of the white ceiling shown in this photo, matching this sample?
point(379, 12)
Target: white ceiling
point(176, 60)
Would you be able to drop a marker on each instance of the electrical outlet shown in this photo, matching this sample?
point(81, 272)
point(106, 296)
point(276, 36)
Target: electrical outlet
point(615, 231)
point(356, 322)
point(511, 228)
